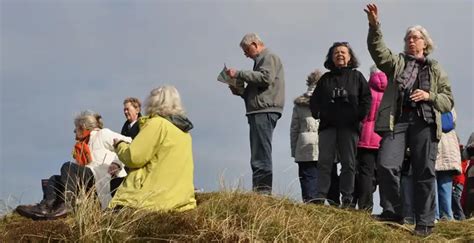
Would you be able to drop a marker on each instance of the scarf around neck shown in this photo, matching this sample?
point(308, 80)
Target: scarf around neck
point(410, 73)
point(81, 151)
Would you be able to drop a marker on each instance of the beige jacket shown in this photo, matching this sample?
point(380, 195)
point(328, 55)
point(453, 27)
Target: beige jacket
point(303, 132)
point(449, 154)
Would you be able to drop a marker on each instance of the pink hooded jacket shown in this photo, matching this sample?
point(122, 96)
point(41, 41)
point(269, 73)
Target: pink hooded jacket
point(368, 138)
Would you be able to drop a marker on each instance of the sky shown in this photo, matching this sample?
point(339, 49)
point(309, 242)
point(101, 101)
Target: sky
point(58, 58)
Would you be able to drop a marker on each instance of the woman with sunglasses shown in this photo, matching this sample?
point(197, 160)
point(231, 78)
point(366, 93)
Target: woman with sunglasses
point(341, 100)
point(409, 115)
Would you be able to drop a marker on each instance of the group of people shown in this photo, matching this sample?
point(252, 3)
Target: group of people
point(148, 166)
point(367, 127)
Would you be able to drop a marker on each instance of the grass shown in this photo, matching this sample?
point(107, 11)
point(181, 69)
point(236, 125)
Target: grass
point(227, 216)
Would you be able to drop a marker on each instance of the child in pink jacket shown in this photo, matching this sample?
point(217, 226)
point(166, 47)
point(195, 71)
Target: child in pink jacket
point(368, 145)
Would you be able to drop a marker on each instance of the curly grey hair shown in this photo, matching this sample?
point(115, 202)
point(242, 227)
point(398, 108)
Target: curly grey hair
point(88, 120)
point(314, 77)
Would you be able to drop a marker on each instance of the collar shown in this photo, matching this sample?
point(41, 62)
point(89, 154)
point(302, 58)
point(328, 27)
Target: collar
point(263, 53)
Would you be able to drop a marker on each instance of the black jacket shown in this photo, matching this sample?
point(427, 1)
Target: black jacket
point(132, 131)
point(346, 111)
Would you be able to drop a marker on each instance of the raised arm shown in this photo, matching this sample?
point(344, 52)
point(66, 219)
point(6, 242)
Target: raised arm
point(380, 53)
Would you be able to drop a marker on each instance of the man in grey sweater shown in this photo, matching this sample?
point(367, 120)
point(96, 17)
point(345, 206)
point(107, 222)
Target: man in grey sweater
point(263, 90)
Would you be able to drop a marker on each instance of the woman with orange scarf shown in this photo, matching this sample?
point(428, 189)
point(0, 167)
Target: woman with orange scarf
point(93, 154)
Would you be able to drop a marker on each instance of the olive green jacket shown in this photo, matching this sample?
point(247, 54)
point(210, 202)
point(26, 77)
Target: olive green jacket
point(393, 65)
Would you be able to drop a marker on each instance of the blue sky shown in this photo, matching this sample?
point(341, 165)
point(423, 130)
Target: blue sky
point(61, 57)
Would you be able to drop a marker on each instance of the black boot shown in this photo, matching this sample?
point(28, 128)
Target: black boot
point(60, 211)
point(422, 230)
point(35, 212)
point(387, 216)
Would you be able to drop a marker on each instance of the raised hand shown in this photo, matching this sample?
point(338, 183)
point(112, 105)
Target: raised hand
point(372, 14)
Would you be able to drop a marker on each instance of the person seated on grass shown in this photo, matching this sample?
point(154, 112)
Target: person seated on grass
point(159, 157)
point(93, 155)
point(131, 109)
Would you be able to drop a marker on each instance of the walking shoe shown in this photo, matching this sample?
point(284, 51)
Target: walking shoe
point(35, 212)
point(387, 216)
point(422, 230)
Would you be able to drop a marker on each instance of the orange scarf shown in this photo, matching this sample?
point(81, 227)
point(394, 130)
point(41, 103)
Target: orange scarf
point(81, 152)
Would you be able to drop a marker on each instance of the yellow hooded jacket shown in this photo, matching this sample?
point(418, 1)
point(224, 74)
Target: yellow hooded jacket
point(161, 162)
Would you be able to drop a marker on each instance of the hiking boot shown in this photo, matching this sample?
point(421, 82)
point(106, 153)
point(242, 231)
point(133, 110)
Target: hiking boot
point(387, 216)
point(422, 230)
point(35, 212)
point(60, 211)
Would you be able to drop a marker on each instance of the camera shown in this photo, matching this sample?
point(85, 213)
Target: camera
point(339, 94)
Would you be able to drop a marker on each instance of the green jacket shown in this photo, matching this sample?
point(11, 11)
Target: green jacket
point(265, 89)
point(161, 162)
point(393, 65)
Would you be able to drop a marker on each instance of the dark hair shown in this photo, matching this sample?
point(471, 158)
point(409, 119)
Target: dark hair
point(329, 64)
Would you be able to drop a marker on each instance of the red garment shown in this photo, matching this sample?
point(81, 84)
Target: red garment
point(464, 191)
point(81, 152)
point(461, 178)
point(368, 138)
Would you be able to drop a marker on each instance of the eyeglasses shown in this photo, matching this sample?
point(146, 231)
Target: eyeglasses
point(413, 37)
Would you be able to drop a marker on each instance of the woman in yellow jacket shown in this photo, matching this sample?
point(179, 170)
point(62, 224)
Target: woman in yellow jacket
point(160, 157)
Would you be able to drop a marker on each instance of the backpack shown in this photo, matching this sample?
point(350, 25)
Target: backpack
point(447, 122)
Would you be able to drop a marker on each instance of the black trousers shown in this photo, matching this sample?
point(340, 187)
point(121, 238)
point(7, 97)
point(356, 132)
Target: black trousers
point(334, 195)
point(364, 179)
point(413, 132)
point(73, 177)
point(341, 141)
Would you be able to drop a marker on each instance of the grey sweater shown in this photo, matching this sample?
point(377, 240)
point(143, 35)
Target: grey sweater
point(264, 86)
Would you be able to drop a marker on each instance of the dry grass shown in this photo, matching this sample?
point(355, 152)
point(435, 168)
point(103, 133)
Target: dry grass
point(225, 217)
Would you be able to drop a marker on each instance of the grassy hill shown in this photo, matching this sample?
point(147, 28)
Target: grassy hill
point(228, 217)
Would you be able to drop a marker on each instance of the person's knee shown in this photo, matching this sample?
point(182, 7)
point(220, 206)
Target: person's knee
point(66, 167)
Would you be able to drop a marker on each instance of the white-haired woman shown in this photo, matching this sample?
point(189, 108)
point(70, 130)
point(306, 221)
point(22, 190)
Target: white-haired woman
point(93, 156)
point(160, 158)
point(304, 140)
point(409, 116)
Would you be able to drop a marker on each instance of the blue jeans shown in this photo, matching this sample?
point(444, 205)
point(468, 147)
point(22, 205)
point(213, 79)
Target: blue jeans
point(308, 178)
point(261, 133)
point(444, 181)
point(458, 212)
